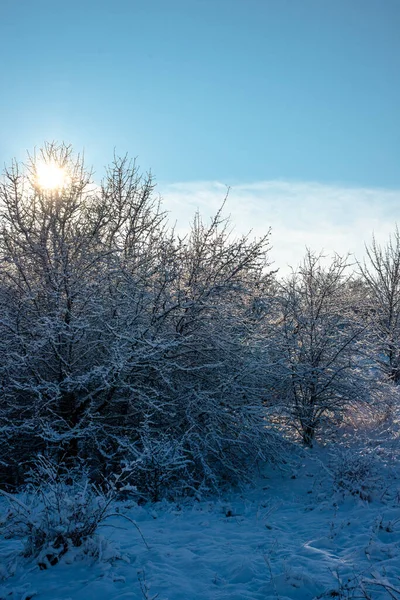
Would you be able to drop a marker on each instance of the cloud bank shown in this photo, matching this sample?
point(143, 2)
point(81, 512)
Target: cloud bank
point(328, 218)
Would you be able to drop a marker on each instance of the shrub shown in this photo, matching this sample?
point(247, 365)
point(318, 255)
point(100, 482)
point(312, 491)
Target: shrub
point(355, 471)
point(55, 512)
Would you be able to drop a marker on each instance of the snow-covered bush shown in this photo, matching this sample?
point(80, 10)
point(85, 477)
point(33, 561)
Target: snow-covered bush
point(355, 471)
point(155, 468)
point(110, 322)
point(54, 512)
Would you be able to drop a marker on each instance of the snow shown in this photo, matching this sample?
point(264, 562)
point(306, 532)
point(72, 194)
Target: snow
point(292, 536)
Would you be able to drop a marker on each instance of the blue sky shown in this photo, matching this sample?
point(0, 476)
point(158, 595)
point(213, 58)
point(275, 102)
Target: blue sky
point(229, 91)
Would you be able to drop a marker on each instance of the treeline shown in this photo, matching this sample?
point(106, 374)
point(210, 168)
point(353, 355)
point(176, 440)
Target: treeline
point(183, 362)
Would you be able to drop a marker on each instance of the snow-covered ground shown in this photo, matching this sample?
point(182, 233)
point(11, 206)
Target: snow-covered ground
point(291, 537)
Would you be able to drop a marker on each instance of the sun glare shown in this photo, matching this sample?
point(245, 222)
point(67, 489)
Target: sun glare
point(50, 176)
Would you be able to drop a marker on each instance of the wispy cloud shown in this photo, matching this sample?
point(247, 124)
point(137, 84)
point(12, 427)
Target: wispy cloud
point(331, 218)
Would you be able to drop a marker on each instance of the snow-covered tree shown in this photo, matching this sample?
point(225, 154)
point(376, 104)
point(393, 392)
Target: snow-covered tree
point(62, 250)
point(117, 338)
point(317, 372)
point(381, 275)
point(218, 374)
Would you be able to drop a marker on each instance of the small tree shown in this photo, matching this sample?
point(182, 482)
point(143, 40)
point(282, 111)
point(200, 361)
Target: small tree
point(381, 274)
point(317, 370)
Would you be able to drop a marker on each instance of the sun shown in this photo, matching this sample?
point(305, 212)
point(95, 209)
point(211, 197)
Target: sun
point(50, 176)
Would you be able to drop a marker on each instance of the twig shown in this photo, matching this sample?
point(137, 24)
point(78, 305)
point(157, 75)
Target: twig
point(133, 523)
point(386, 586)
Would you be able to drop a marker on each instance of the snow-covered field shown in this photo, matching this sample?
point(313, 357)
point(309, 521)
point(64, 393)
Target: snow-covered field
point(293, 536)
